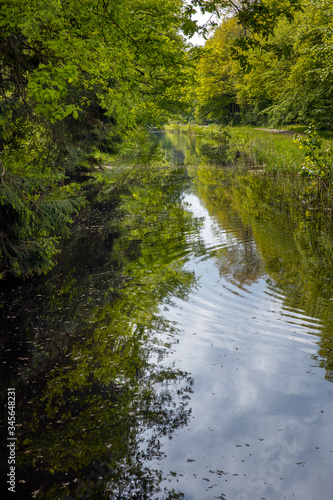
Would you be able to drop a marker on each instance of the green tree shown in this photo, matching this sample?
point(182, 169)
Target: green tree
point(262, 86)
point(290, 77)
point(308, 92)
point(73, 75)
point(215, 88)
point(284, 51)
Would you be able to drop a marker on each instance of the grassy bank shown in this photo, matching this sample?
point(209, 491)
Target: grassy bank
point(270, 149)
point(274, 151)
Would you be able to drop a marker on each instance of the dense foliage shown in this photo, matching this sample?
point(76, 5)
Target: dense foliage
point(95, 394)
point(73, 75)
point(285, 75)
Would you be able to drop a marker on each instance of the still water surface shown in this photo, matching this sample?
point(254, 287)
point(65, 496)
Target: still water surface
point(183, 345)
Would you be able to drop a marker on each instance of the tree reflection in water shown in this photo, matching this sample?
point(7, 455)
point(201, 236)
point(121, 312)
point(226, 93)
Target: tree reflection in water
point(269, 232)
point(87, 347)
point(94, 375)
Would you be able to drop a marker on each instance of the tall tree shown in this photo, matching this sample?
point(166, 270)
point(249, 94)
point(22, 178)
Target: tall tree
point(285, 73)
point(215, 80)
point(72, 74)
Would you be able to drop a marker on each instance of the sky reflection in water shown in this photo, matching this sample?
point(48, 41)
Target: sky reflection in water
point(242, 408)
point(261, 411)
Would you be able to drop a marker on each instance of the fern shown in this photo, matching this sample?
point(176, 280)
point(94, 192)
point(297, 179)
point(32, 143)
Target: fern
point(34, 214)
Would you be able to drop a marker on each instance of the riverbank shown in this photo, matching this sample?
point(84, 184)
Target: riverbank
point(274, 150)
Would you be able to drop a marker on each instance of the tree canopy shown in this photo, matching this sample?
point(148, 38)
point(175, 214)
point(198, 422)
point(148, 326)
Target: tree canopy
point(74, 74)
point(278, 73)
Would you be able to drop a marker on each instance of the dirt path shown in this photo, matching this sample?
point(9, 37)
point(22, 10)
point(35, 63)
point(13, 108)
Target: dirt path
point(277, 131)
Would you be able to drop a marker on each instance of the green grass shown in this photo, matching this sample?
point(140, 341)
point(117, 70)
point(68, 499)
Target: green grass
point(191, 128)
point(277, 152)
point(274, 152)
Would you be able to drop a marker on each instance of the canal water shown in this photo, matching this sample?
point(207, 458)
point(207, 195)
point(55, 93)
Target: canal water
point(182, 347)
